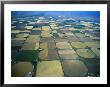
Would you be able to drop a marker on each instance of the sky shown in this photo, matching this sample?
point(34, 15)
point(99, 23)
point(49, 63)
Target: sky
point(94, 15)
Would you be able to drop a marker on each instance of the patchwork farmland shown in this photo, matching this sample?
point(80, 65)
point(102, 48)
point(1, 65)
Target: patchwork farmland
point(47, 46)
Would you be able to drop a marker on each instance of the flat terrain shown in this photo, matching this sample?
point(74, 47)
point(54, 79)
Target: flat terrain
point(51, 47)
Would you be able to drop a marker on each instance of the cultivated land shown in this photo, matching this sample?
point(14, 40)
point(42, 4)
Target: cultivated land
point(54, 47)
